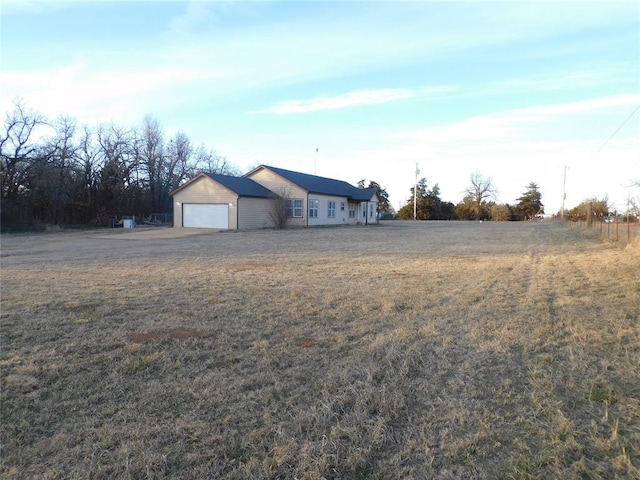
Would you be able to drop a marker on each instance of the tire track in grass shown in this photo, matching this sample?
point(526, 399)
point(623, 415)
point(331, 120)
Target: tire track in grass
point(564, 371)
point(482, 387)
point(555, 395)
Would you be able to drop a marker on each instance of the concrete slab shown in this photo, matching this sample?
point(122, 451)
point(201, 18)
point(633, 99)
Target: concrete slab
point(159, 233)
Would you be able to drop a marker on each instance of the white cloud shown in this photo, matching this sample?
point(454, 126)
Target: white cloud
point(545, 83)
point(522, 123)
point(96, 95)
point(351, 99)
point(590, 105)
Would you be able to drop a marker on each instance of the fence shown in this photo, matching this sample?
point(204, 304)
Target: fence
point(159, 219)
point(617, 228)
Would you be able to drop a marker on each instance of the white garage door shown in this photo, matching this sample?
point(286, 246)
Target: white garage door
point(205, 215)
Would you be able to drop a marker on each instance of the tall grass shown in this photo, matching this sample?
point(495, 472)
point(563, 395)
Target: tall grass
point(410, 350)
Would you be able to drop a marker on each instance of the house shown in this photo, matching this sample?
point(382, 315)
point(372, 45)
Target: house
point(226, 202)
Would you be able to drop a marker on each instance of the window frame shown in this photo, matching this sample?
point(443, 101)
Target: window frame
point(293, 208)
point(313, 208)
point(331, 209)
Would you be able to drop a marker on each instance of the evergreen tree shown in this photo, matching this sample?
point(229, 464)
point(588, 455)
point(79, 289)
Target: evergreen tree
point(429, 205)
point(530, 203)
point(384, 206)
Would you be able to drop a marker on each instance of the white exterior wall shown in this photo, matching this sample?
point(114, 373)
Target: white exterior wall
point(341, 218)
point(279, 185)
point(368, 211)
point(355, 206)
point(365, 212)
point(254, 213)
point(205, 190)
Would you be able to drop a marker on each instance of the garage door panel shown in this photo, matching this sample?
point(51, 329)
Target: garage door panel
point(205, 215)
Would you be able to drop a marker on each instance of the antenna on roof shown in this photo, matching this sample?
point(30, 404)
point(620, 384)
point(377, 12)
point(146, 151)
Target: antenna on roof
point(315, 163)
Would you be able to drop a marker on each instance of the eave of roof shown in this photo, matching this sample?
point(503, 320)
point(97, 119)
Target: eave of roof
point(243, 187)
point(321, 185)
point(364, 194)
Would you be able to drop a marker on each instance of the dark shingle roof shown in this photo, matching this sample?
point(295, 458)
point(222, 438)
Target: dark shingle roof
point(325, 186)
point(364, 194)
point(244, 187)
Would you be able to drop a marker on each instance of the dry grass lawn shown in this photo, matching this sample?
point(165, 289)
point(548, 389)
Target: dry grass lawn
point(430, 351)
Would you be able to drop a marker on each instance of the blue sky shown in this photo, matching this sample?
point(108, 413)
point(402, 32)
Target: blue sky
point(515, 90)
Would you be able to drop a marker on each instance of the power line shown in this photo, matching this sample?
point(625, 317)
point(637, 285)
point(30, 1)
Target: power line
point(631, 64)
point(618, 129)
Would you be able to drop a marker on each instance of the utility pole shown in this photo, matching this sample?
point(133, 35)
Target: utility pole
point(564, 192)
point(415, 194)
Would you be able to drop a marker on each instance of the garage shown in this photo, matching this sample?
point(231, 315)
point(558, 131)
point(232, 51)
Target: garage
point(222, 202)
point(205, 215)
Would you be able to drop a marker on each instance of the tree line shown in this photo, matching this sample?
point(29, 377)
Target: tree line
point(478, 203)
point(57, 172)
point(594, 209)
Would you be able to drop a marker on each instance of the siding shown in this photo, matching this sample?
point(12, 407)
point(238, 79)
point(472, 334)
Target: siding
point(367, 211)
point(205, 190)
point(341, 218)
point(277, 184)
point(254, 213)
point(356, 208)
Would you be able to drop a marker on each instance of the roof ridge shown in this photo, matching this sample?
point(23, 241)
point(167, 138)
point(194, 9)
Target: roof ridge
point(307, 174)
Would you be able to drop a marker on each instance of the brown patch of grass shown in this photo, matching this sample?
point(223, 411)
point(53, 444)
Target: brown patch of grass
point(416, 350)
point(178, 333)
point(307, 342)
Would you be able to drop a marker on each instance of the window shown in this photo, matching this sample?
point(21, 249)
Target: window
point(313, 208)
point(371, 210)
point(352, 213)
point(293, 208)
point(364, 210)
point(342, 206)
point(331, 212)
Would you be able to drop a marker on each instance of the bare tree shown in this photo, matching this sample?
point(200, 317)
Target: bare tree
point(18, 150)
point(278, 208)
point(52, 178)
point(480, 191)
point(151, 151)
point(86, 160)
point(179, 164)
point(633, 206)
point(212, 162)
point(118, 183)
